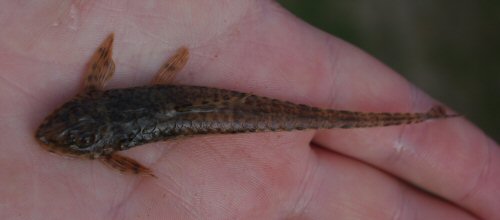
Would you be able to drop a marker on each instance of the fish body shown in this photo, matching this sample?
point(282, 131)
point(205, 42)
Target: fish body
point(97, 123)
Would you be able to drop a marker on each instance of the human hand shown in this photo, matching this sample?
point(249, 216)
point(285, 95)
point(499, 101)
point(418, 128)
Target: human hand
point(445, 169)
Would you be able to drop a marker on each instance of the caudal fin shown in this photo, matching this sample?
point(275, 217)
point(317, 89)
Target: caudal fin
point(439, 112)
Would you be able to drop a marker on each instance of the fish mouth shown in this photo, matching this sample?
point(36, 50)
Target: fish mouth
point(64, 151)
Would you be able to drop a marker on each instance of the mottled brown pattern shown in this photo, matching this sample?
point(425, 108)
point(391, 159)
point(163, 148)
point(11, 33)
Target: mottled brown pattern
point(98, 123)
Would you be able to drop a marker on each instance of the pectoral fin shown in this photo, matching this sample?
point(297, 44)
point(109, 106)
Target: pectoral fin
point(125, 164)
point(101, 66)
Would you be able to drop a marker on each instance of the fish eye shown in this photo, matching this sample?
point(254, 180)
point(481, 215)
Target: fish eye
point(82, 142)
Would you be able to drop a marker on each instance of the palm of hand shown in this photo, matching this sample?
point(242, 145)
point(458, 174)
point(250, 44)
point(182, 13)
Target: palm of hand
point(252, 47)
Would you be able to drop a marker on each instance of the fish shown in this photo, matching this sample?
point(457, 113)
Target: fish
point(98, 123)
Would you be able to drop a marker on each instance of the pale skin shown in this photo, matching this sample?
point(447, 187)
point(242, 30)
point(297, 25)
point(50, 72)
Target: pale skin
point(446, 169)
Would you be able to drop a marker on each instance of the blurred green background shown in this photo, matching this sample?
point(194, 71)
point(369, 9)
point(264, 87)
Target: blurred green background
point(450, 49)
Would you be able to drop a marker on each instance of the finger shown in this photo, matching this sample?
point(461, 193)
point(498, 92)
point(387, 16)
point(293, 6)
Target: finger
point(348, 189)
point(431, 156)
